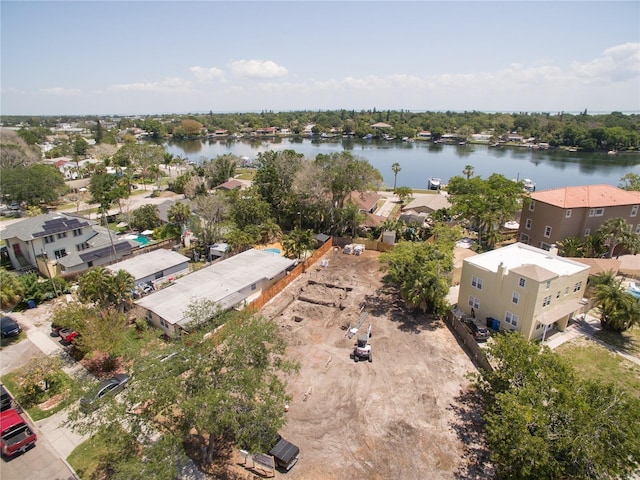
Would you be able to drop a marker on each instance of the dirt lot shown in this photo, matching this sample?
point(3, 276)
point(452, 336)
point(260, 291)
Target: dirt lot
point(399, 417)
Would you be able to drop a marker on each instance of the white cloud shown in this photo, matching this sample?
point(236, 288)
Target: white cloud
point(257, 69)
point(63, 92)
point(203, 74)
point(169, 85)
point(619, 63)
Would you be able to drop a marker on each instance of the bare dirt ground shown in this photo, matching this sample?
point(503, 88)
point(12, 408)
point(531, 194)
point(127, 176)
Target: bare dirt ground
point(403, 416)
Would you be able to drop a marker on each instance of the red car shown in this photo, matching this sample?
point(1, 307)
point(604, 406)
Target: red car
point(17, 435)
point(67, 335)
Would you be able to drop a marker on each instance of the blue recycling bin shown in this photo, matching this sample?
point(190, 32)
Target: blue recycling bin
point(31, 304)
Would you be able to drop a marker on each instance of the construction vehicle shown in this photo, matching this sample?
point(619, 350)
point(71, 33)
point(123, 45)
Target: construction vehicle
point(362, 349)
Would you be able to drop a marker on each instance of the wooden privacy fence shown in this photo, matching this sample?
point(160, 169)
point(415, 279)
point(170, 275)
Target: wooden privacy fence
point(302, 267)
point(467, 342)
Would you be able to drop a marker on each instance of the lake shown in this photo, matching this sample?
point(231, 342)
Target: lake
point(421, 160)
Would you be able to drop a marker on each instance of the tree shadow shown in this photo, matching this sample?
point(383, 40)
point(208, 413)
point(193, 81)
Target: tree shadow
point(386, 302)
point(195, 447)
point(470, 429)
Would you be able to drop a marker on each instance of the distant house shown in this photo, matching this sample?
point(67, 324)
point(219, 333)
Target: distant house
point(229, 185)
point(381, 125)
point(523, 288)
point(152, 267)
point(58, 244)
point(227, 283)
point(428, 203)
point(163, 208)
point(554, 215)
point(366, 201)
point(424, 134)
point(411, 216)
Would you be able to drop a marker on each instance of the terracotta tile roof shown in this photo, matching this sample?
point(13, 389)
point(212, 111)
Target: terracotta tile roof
point(365, 200)
point(588, 196)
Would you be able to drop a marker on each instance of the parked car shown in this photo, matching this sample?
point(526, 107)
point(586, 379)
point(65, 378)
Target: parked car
point(479, 332)
point(112, 386)
point(9, 327)
point(6, 401)
point(67, 335)
point(17, 435)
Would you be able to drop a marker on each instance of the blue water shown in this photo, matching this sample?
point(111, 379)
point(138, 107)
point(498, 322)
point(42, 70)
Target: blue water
point(421, 160)
point(273, 250)
point(142, 240)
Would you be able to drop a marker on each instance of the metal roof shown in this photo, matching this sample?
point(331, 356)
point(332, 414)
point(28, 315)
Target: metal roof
point(142, 266)
point(218, 283)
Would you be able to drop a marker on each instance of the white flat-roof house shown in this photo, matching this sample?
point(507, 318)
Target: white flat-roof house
point(238, 279)
point(57, 243)
point(523, 287)
point(156, 266)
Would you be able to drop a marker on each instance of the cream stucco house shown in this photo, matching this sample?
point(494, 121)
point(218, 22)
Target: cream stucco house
point(523, 287)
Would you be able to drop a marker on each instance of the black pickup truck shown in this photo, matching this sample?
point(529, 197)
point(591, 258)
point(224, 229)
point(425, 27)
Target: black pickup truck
point(284, 453)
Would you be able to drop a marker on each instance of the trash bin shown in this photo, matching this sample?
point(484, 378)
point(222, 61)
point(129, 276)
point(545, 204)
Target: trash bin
point(31, 304)
point(495, 324)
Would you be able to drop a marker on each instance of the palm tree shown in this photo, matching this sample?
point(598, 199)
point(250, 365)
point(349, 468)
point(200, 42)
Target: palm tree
point(396, 169)
point(11, 289)
point(468, 171)
point(571, 247)
point(296, 242)
point(619, 310)
point(269, 231)
point(616, 231)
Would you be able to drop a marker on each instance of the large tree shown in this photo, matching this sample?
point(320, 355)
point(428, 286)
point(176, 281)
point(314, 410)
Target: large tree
point(542, 421)
point(221, 389)
point(619, 310)
point(487, 204)
point(33, 184)
point(421, 271)
point(617, 232)
point(106, 289)
point(220, 169)
point(145, 217)
point(396, 169)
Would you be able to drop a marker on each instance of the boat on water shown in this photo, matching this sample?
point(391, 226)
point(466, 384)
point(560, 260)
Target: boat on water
point(529, 185)
point(434, 183)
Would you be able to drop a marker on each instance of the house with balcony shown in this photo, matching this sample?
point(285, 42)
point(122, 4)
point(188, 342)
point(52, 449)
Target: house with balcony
point(553, 215)
point(227, 283)
point(523, 288)
point(59, 244)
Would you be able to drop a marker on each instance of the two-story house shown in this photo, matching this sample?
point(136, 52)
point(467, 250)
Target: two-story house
point(523, 287)
point(554, 215)
point(58, 244)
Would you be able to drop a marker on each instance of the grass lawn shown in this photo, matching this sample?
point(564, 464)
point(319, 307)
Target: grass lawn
point(91, 454)
point(50, 403)
point(593, 361)
point(628, 341)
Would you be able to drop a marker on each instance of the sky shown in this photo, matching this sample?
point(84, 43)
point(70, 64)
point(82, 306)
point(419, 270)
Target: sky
point(162, 57)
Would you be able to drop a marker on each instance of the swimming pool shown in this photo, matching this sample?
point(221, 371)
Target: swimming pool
point(273, 250)
point(141, 239)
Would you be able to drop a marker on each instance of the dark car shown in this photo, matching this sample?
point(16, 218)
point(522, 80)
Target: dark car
point(6, 402)
point(479, 332)
point(9, 327)
point(112, 386)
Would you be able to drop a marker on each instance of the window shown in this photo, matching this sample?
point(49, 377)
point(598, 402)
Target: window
point(638, 228)
point(515, 297)
point(253, 287)
point(587, 232)
point(634, 211)
point(596, 212)
point(558, 294)
point(474, 302)
point(82, 246)
point(522, 282)
point(60, 253)
point(77, 232)
point(524, 238)
point(476, 282)
point(547, 231)
point(61, 235)
point(577, 287)
point(546, 301)
point(511, 319)
point(547, 285)
point(49, 239)
point(532, 205)
point(567, 214)
point(538, 326)
point(528, 224)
